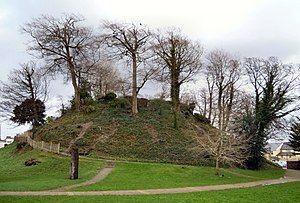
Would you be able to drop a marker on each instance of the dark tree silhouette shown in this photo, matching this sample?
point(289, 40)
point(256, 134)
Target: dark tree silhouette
point(25, 90)
point(30, 111)
point(295, 136)
point(273, 84)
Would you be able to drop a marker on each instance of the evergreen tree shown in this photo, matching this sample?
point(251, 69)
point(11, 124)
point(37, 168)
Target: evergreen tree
point(30, 111)
point(295, 136)
point(273, 83)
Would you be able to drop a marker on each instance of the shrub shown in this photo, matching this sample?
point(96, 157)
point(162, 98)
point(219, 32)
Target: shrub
point(142, 103)
point(109, 97)
point(122, 103)
point(88, 101)
point(187, 109)
point(159, 105)
point(89, 109)
point(81, 142)
point(50, 119)
point(20, 145)
point(201, 119)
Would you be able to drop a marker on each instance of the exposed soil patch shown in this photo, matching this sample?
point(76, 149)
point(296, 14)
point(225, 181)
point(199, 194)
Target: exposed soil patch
point(32, 162)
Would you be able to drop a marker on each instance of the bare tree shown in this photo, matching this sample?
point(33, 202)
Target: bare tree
point(180, 60)
point(66, 45)
point(104, 77)
point(205, 101)
point(187, 98)
point(131, 41)
point(225, 148)
point(222, 74)
point(22, 84)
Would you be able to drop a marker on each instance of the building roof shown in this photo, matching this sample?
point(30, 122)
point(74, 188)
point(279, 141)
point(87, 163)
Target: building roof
point(286, 146)
point(272, 146)
point(9, 137)
point(286, 154)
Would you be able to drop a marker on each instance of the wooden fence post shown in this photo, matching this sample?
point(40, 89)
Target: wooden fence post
point(58, 147)
point(50, 146)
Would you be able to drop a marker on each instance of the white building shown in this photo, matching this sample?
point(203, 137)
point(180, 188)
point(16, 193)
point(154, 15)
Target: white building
point(8, 140)
point(280, 153)
point(2, 143)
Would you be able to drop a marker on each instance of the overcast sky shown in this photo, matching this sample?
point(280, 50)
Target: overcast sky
point(243, 27)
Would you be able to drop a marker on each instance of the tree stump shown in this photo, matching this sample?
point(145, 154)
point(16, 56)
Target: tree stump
point(74, 163)
point(73, 149)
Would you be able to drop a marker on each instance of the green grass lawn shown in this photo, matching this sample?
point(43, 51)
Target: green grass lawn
point(52, 172)
point(288, 192)
point(270, 173)
point(147, 175)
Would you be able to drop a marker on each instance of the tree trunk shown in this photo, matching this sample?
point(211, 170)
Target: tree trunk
point(205, 107)
point(74, 163)
point(210, 99)
point(175, 88)
point(217, 166)
point(134, 108)
point(32, 95)
point(229, 107)
point(220, 117)
point(73, 79)
point(76, 91)
point(35, 120)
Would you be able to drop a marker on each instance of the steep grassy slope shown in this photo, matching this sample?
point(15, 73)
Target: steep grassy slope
point(116, 134)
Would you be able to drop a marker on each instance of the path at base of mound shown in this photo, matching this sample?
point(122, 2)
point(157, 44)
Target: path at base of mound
point(103, 173)
point(295, 177)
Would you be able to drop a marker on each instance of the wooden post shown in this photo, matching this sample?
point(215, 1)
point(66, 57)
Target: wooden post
point(58, 147)
point(50, 146)
point(42, 144)
point(74, 163)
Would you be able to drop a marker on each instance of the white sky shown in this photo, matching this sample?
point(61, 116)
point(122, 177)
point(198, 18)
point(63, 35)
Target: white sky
point(243, 27)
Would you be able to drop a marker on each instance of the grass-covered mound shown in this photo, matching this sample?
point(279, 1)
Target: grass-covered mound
point(50, 173)
point(117, 134)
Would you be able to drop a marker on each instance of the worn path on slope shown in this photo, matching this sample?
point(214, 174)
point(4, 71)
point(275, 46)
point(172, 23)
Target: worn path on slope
point(103, 173)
